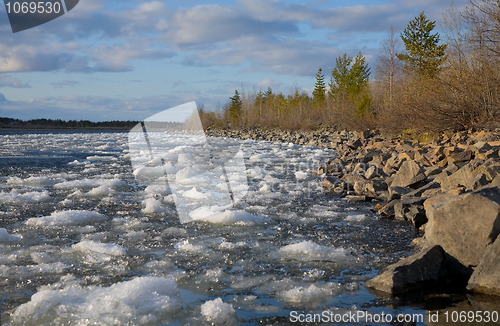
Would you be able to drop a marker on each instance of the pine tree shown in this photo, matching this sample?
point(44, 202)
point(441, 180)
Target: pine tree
point(235, 108)
point(349, 82)
point(319, 90)
point(424, 55)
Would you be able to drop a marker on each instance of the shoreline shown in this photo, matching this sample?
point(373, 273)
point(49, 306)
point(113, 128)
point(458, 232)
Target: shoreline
point(448, 188)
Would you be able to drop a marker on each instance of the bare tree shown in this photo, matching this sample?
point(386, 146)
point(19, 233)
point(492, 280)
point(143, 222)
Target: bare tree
point(389, 66)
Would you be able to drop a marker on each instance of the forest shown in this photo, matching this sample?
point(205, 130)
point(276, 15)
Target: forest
point(423, 82)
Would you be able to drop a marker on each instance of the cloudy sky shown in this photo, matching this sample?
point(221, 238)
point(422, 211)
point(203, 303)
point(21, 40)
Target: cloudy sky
point(129, 59)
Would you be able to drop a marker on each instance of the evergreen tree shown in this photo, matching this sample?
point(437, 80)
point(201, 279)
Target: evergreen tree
point(235, 108)
point(424, 55)
point(319, 90)
point(349, 81)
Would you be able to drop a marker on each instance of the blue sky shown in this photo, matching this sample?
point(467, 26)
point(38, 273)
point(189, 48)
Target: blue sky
point(120, 60)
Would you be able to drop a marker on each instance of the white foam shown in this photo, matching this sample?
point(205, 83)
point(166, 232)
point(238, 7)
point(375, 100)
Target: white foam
point(64, 218)
point(308, 250)
point(143, 300)
point(27, 197)
point(217, 311)
point(6, 237)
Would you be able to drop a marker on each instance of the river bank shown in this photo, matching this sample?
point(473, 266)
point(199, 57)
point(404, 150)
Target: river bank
point(447, 188)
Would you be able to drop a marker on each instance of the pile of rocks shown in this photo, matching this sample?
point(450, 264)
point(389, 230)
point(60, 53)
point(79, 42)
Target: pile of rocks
point(448, 188)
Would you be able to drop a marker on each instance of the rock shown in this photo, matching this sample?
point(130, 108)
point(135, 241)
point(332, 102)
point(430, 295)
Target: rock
point(420, 191)
point(420, 270)
point(333, 185)
point(409, 174)
point(486, 276)
point(410, 209)
point(465, 225)
point(397, 192)
point(356, 198)
point(371, 172)
point(464, 156)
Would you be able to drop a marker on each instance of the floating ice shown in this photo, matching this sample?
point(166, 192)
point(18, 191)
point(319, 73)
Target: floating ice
point(311, 295)
point(152, 206)
point(27, 197)
point(101, 158)
point(308, 250)
point(188, 173)
point(157, 189)
point(206, 214)
point(108, 249)
point(31, 181)
point(194, 194)
point(99, 191)
point(6, 237)
point(143, 300)
point(301, 175)
point(355, 218)
point(64, 218)
point(217, 311)
point(89, 183)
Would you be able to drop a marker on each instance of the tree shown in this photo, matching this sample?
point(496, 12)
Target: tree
point(424, 55)
point(319, 96)
point(235, 108)
point(388, 67)
point(349, 82)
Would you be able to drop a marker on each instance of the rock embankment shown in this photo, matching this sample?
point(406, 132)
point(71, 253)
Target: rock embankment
point(447, 187)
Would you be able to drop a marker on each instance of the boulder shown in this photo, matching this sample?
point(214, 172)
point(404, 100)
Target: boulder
point(408, 174)
point(333, 185)
point(420, 270)
point(410, 209)
point(486, 276)
point(466, 224)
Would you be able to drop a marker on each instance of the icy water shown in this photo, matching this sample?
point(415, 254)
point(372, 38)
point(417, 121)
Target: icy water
point(88, 237)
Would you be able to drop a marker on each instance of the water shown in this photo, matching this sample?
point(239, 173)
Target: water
point(87, 241)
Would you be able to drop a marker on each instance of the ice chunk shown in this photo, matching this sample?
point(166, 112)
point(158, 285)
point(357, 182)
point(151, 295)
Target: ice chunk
point(152, 206)
point(64, 218)
point(6, 237)
point(31, 181)
point(355, 218)
point(301, 175)
point(100, 191)
point(194, 194)
point(308, 250)
point(188, 173)
point(89, 183)
point(27, 197)
point(217, 311)
point(157, 189)
point(108, 249)
point(101, 158)
point(311, 295)
point(143, 300)
point(226, 217)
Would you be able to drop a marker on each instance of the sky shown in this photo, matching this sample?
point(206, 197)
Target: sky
point(129, 59)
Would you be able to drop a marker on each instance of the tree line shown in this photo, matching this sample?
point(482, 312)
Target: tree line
point(421, 82)
point(9, 123)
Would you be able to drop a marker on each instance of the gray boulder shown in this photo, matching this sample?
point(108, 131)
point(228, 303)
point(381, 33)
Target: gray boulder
point(486, 276)
point(408, 174)
point(417, 271)
point(466, 224)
